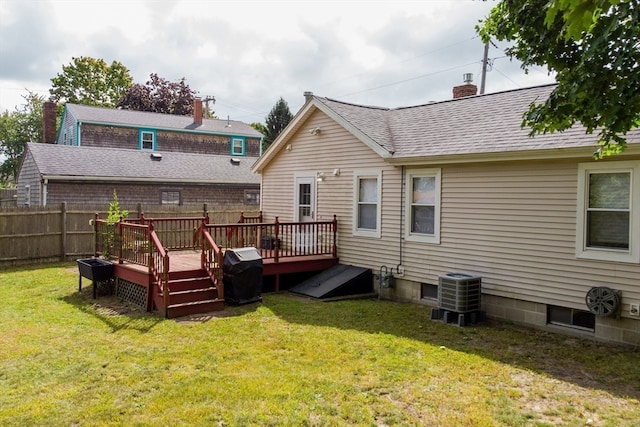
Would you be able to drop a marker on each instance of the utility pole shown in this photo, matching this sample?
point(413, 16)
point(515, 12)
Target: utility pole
point(206, 100)
point(485, 59)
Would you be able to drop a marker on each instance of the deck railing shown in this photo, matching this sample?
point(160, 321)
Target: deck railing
point(174, 233)
point(212, 260)
point(279, 239)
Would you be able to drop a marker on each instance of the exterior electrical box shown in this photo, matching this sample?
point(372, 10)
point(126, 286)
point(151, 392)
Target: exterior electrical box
point(459, 292)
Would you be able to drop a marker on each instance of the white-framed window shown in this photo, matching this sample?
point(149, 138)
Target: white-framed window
point(237, 146)
point(367, 203)
point(147, 140)
point(170, 197)
point(422, 212)
point(608, 211)
point(251, 197)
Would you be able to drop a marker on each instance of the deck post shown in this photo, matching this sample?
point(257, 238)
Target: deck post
point(119, 241)
point(96, 216)
point(334, 226)
point(276, 232)
point(141, 218)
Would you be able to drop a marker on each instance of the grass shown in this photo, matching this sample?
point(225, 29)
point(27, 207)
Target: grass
point(67, 359)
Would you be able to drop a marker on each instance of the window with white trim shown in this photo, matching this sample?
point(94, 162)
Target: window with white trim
point(608, 215)
point(422, 214)
point(367, 203)
point(147, 140)
point(170, 197)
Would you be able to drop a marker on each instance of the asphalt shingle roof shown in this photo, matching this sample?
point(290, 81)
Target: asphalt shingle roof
point(143, 119)
point(71, 161)
point(473, 125)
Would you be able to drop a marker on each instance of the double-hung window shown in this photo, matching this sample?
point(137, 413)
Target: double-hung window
point(237, 146)
point(422, 215)
point(367, 200)
point(608, 215)
point(147, 140)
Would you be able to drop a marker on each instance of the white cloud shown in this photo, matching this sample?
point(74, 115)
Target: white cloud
point(248, 54)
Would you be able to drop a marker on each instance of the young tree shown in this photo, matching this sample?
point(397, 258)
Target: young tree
point(91, 81)
point(276, 121)
point(592, 45)
point(16, 129)
point(159, 95)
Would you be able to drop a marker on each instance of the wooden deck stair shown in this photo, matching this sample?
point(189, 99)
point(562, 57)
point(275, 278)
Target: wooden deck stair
point(191, 292)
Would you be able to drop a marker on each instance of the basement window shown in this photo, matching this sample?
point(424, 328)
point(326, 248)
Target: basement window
point(578, 319)
point(428, 291)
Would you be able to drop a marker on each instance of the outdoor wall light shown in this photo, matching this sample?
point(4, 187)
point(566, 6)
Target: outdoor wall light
point(320, 177)
point(336, 172)
point(288, 147)
point(315, 131)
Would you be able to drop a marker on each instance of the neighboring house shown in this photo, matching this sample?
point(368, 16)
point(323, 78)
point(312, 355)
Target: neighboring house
point(459, 187)
point(51, 173)
point(153, 158)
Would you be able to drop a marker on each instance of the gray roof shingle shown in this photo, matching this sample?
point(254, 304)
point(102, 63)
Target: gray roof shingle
point(143, 119)
point(94, 162)
point(474, 125)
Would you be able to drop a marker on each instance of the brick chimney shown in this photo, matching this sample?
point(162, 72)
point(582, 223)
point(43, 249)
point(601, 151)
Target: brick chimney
point(467, 89)
point(49, 122)
point(197, 111)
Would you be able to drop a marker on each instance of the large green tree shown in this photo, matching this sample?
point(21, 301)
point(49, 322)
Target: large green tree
point(593, 47)
point(276, 121)
point(91, 81)
point(159, 95)
point(16, 129)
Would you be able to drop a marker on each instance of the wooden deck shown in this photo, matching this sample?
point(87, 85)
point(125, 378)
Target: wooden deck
point(188, 260)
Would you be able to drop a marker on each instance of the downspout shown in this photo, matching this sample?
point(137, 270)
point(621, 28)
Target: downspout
point(45, 182)
point(400, 240)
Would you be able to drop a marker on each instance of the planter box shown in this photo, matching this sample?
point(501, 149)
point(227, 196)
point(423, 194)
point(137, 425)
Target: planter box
point(96, 269)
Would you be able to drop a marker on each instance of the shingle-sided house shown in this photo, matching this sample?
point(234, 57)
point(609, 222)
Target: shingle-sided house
point(459, 187)
point(147, 157)
point(51, 173)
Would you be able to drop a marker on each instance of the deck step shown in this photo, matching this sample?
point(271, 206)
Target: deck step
point(193, 295)
point(198, 307)
point(193, 283)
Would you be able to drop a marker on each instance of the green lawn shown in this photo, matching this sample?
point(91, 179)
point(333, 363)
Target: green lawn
point(69, 360)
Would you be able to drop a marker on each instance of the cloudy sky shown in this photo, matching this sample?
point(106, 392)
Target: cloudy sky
point(248, 54)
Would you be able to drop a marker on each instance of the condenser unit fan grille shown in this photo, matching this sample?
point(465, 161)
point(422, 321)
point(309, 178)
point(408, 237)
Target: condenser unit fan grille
point(459, 292)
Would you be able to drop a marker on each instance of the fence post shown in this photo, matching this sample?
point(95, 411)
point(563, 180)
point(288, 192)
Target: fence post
point(96, 216)
point(63, 232)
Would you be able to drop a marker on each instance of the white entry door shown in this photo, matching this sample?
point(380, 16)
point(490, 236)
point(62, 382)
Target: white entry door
point(305, 203)
point(305, 206)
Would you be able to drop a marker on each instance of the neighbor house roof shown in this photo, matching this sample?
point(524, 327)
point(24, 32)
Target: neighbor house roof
point(63, 162)
point(143, 119)
point(484, 126)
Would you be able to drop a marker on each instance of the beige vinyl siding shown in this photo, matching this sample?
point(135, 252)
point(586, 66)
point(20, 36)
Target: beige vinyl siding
point(514, 225)
point(340, 150)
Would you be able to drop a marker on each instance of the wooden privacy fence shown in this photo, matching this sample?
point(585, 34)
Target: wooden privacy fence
point(64, 232)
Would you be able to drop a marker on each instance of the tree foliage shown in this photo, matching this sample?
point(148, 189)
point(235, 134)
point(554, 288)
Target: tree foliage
point(91, 81)
point(159, 95)
point(276, 121)
point(16, 129)
point(592, 46)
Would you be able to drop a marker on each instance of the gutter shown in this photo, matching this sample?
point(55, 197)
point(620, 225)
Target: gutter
point(502, 156)
point(82, 178)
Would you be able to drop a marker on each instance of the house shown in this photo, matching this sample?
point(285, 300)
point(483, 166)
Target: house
point(52, 174)
point(147, 157)
point(459, 187)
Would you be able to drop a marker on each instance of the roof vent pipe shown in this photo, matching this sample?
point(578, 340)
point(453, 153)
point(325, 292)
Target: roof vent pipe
point(467, 78)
